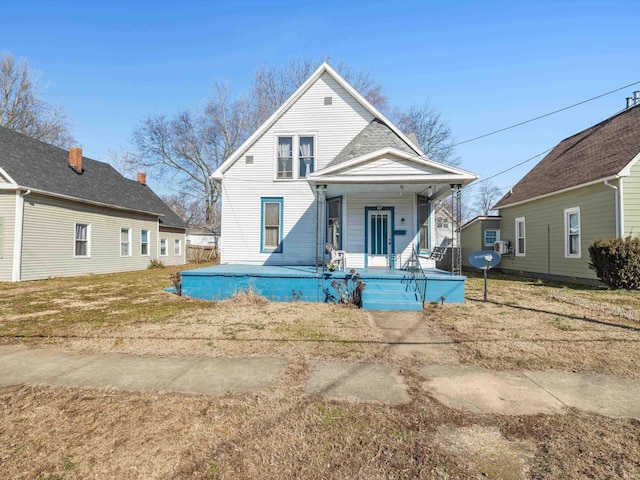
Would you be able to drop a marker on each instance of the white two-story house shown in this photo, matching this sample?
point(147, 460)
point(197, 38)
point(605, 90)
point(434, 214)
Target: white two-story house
point(328, 167)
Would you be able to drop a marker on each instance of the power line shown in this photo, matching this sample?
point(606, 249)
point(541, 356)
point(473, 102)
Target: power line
point(478, 182)
point(546, 114)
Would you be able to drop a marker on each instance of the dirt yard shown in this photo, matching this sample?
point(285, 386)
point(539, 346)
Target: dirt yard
point(280, 433)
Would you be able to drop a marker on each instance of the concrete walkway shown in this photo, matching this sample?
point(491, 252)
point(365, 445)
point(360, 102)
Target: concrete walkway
point(470, 388)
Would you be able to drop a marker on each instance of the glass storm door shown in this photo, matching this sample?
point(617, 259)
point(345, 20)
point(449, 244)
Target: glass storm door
point(379, 242)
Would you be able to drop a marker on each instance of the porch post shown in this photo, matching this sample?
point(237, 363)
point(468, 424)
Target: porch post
point(456, 250)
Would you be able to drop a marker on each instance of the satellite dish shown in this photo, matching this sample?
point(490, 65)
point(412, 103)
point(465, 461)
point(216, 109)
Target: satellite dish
point(485, 259)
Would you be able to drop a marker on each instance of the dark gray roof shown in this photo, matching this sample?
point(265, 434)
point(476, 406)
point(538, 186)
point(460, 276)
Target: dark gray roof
point(599, 152)
point(37, 165)
point(375, 136)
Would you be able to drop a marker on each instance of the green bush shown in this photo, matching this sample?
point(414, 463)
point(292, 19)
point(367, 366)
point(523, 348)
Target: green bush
point(616, 262)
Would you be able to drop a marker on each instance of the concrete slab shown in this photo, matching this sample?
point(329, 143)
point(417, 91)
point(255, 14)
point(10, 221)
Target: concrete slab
point(357, 382)
point(485, 391)
point(410, 335)
point(36, 366)
point(223, 375)
point(127, 372)
point(603, 394)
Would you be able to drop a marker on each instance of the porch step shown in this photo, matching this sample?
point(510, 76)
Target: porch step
point(391, 295)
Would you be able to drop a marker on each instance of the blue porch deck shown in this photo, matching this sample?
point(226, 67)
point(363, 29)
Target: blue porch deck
point(385, 289)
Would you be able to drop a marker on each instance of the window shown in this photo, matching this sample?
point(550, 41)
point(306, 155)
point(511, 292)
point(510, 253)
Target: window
point(491, 237)
point(306, 156)
point(163, 247)
point(271, 225)
point(442, 223)
point(125, 242)
point(177, 247)
point(423, 223)
point(285, 157)
point(296, 156)
point(520, 237)
point(82, 240)
point(144, 242)
point(572, 233)
point(334, 223)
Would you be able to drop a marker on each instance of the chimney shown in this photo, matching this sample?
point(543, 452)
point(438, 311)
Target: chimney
point(636, 97)
point(629, 102)
point(142, 178)
point(75, 159)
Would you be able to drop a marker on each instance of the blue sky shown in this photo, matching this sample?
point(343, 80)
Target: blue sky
point(483, 65)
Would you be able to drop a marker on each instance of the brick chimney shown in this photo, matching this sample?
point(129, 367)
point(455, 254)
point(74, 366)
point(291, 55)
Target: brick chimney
point(75, 159)
point(142, 178)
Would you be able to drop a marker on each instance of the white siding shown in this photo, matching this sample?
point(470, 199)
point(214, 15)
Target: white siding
point(7, 212)
point(354, 227)
point(48, 239)
point(390, 165)
point(334, 126)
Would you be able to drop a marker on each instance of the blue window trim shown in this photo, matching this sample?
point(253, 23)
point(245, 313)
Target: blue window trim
point(264, 200)
point(326, 221)
point(366, 234)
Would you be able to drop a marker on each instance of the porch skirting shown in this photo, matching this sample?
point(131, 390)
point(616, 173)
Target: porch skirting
point(384, 290)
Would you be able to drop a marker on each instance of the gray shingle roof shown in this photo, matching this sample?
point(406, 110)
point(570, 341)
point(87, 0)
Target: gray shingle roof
point(37, 165)
point(599, 152)
point(375, 136)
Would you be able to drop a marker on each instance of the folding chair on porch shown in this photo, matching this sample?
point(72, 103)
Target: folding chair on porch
point(337, 257)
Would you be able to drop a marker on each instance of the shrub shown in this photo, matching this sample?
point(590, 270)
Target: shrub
point(616, 262)
point(155, 263)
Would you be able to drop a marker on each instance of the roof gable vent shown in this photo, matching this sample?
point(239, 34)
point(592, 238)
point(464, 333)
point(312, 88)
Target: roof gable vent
point(328, 100)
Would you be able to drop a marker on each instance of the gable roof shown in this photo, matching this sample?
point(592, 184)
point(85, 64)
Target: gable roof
point(324, 68)
point(600, 152)
point(44, 168)
point(375, 136)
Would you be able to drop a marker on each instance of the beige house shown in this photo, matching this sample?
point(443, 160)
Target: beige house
point(62, 214)
point(587, 187)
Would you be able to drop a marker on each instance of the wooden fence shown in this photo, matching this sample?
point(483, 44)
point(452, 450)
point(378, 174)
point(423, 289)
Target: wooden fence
point(201, 253)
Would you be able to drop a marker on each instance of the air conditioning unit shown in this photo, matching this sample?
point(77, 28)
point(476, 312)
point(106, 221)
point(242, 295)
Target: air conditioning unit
point(502, 247)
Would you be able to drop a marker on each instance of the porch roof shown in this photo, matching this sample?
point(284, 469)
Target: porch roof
point(390, 170)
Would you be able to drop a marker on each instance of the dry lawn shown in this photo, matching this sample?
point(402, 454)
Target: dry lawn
point(280, 433)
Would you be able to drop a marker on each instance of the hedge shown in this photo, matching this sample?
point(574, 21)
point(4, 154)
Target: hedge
point(616, 262)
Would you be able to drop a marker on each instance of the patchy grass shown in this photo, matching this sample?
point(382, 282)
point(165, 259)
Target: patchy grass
point(527, 324)
point(280, 433)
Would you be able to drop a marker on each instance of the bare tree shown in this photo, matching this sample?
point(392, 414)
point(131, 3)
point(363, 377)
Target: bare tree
point(23, 110)
point(190, 146)
point(486, 196)
point(187, 207)
point(432, 132)
point(125, 161)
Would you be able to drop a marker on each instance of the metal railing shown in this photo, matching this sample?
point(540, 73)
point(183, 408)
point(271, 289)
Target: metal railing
point(418, 275)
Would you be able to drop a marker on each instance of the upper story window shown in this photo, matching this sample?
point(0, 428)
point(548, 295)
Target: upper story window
point(306, 156)
point(285, 157)
point(296, 156)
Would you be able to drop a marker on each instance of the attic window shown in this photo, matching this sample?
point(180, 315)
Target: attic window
point(249, 159)
point(328, 100)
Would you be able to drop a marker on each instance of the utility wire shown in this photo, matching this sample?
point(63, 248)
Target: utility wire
point(545, 115)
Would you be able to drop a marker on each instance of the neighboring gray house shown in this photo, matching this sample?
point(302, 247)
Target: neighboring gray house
point(587, 187)
point(62, 214)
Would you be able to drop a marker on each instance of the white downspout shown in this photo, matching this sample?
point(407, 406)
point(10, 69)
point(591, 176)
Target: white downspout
point(618, 202)
point(16, 273)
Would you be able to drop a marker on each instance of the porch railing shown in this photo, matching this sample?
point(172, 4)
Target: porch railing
point(418, 275)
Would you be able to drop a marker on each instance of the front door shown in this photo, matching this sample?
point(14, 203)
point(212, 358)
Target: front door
point(379, 238)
